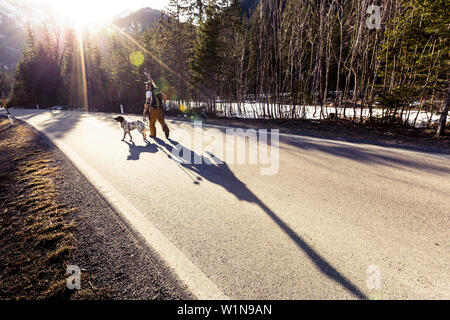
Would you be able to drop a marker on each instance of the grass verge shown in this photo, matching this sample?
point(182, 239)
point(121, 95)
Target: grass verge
point(36, 239)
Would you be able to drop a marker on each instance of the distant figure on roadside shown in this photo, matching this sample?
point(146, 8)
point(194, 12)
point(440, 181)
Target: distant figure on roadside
point(154, 101)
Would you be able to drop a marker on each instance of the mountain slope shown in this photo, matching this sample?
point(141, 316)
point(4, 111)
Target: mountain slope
point(14, 15)
point(142, 19)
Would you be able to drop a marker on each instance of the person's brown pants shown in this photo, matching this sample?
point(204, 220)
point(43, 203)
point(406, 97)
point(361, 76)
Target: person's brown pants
point(157, 114)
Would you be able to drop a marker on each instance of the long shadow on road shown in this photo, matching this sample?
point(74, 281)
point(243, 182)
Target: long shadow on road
point(366, 155)
point(221, 174)
point(59, 123)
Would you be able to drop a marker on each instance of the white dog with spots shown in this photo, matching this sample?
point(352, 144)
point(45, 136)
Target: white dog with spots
point(127, 126)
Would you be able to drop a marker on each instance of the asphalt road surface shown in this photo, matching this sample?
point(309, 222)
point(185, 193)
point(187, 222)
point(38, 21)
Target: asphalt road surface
point(336, 220)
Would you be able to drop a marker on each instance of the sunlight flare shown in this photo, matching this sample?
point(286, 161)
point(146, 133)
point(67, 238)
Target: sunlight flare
point(83, 75)
point(154, 57)
point(87, 12)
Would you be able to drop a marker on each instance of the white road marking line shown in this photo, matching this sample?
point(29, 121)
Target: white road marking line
point(197, 282)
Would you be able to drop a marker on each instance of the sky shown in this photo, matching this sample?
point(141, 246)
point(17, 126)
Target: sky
point(91, 11)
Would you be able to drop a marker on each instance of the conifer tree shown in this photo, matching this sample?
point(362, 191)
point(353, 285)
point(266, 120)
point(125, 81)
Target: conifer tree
point(205, 62)
point(24, 86)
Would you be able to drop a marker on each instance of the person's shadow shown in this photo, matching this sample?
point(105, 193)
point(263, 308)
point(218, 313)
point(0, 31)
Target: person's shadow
point(220, 174)
point(135, 151)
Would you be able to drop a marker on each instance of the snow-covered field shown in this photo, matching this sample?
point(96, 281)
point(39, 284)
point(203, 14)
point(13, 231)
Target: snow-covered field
point(256, 110)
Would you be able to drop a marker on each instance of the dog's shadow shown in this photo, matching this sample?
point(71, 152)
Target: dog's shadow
point(135, 150)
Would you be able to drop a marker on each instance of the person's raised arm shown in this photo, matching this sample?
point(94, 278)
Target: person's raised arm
point(148, 101)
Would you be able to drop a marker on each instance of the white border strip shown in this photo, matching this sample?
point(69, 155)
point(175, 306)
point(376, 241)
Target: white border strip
point(197, 282)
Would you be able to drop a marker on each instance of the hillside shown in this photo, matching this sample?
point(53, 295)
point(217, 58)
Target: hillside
point(142, 19)
point(14, 15)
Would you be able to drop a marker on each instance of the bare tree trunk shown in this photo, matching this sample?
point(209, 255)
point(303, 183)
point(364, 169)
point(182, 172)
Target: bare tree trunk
point(317, 65)
point(444, 114)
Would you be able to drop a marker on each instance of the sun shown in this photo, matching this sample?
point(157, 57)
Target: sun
point(83, 12)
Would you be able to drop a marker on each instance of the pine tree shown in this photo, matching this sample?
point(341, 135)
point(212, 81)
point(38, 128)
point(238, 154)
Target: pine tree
point(71, 71)
point(175, 39)
point(96, 76)
point(233, 54)
point(24, 86)
point(48, 75)
point(6, 83)
point(415, 60)
point(205, 62)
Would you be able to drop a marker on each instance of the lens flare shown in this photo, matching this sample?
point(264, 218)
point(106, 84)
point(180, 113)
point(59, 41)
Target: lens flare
point(137, 58)
point(83, 74)
point(154, 57)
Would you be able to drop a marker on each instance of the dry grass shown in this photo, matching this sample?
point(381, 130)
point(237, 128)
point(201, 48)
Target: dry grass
point(35, 237)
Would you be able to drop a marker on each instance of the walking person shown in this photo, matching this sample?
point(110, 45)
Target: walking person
point(154, 103)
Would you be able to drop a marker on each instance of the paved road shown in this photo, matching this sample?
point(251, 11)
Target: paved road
point(335, 217)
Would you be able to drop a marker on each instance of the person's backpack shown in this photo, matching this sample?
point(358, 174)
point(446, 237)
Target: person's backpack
point(158, 98)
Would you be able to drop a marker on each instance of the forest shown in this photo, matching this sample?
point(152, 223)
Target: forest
point(277, 59)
